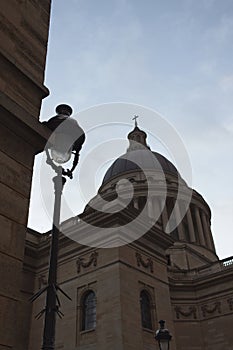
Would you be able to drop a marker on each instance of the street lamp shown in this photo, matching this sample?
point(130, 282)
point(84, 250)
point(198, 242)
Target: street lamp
point(66, 139)
point(163, 336)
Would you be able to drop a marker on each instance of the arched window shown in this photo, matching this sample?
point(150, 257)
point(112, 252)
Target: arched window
point(88, 311)
point(145, 301)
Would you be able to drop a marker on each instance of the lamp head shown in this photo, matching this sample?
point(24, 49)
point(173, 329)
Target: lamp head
point(163, 336)
point(67, 136)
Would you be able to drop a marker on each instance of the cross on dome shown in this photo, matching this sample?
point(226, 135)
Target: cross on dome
point(135, 120)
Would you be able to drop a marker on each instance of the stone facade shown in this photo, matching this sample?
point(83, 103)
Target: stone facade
point(23, 46)
point(188, 285)
point(196, 303)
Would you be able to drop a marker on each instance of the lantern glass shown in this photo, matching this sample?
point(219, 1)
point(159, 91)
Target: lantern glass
point(60, 157)
point(61, 147)
point(164, 345)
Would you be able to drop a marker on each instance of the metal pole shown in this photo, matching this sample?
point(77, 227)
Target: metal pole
point(51, 298)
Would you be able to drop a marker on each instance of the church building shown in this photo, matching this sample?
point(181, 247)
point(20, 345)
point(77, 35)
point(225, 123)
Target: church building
point(129, 261)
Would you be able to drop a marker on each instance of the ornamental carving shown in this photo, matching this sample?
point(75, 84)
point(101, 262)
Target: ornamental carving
point(147, 264)
point(191, 311)
point(91, 261)
point(230, 303)
point(210, 310)
point(42, 281)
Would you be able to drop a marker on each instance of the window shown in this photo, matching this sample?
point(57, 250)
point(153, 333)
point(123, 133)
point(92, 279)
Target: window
point(145, 301)
point(88, 307)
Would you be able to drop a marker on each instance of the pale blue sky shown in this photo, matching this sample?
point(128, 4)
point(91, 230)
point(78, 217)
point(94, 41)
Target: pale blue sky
point(173, 56)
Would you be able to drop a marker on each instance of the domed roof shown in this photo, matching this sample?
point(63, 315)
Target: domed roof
point(139, 156)
point(139, 159)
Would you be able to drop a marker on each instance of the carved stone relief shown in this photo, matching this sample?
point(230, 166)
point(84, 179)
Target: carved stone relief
point(148, 264)
point(216, 307)
point(42, 281)
point(230, 303)
point(91, 261)
point(190, 311)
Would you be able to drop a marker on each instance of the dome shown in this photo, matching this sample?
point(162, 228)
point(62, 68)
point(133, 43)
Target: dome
point(139, 156)
point(160, 197)
point(136, 159)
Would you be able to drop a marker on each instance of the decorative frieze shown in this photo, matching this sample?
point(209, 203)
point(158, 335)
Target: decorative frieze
point(207, 310)
point(91, 261)
point(216, 307)
point(148, 264)
point(190, 311)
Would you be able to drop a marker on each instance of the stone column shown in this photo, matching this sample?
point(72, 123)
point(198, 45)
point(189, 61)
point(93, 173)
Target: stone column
point(190, 225)
point(156, 208)
point(208, 233)
point(164, 214)
point(136, 203)
point(199, 227)
point(150, 209)
point(206, 230)
point(211, 236)
point(180, 225)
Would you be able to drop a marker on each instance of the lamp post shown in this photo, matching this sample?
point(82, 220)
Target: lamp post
point(163, 336)
point(66, 139)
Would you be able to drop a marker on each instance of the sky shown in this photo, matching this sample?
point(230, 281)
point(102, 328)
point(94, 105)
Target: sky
point(111, 59)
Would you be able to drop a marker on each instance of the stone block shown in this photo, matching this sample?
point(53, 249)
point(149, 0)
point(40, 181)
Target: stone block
point(12, 238)
point(15, 175)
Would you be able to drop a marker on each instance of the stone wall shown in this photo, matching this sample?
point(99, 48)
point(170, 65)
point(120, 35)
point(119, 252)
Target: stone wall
point(23, 46)
point(202, 303)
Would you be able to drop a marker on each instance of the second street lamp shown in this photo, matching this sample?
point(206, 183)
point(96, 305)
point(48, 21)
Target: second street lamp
point(163, 336)
point(66, 139)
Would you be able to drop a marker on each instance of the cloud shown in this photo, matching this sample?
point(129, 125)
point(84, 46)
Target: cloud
point(217, 35)
point(226, 83)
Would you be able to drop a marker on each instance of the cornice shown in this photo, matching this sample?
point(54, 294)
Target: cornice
point(201, 282)
point(24, 73)
point(189, 247)
point(23, 124)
